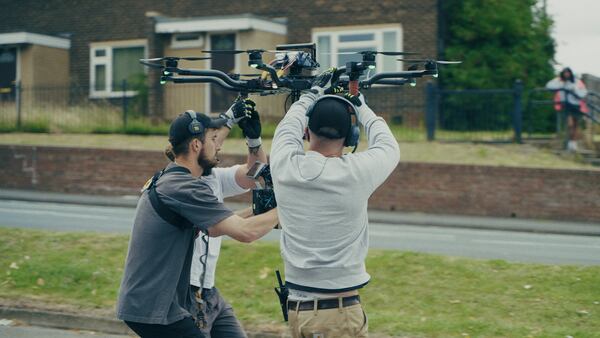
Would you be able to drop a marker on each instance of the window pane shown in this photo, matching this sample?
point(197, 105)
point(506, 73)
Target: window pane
point(323, 48)
point(187, 37)
point(357, 37)
point(343, 58)
point(100, 81)
point(390, 44)
point(126, 66)
point(100, 52)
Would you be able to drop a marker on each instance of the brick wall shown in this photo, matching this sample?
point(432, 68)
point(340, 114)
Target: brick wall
point(90, 21)
point(415, 187)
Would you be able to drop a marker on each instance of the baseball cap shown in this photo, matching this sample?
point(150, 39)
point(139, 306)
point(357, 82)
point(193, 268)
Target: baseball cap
point(180, 127)
point(330, 117)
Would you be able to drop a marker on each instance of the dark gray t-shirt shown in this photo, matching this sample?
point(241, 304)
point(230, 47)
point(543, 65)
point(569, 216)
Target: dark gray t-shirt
point(156, 282)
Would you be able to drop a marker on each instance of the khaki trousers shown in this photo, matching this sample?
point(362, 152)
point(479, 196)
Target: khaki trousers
point(342, 322)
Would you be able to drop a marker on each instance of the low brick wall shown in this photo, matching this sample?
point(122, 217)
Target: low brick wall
point(415, 187)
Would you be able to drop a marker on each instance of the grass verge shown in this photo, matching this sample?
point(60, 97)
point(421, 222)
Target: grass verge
point(416, 295)
point(511, 155)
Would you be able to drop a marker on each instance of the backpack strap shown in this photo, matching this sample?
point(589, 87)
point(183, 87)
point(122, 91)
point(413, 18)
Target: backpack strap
point(165, 212)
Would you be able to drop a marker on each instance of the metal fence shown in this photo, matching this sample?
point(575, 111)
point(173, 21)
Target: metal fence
point(542, 120)
point(67, 109)
point(483, 115)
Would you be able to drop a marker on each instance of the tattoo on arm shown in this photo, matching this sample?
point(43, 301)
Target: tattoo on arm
point(253, 151)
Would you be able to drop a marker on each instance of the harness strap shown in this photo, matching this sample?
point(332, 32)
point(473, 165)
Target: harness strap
point(166, 213)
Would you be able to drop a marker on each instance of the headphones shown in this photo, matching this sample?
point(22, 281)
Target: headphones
point(354, 133)
point(195, 127)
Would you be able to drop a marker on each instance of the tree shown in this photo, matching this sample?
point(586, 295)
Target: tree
point(499, 41)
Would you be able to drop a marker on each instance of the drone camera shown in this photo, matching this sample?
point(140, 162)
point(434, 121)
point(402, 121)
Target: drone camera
point(263, 199)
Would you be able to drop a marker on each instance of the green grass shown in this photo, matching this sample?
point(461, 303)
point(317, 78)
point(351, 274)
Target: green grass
point(410, 294)
point(513, 155)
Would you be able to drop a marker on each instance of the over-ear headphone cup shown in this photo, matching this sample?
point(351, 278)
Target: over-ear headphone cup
point(353, 136)
point(195, 127)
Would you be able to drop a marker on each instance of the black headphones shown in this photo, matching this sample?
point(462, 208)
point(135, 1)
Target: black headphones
point(195, 127)
point(354, 133)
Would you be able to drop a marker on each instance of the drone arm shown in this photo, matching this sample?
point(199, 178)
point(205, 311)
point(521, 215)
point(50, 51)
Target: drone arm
point(395, 82)
point(212, 73)
point(214, 80)
point(395, 75)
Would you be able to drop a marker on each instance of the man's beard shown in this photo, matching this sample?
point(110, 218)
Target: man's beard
point(206, 164)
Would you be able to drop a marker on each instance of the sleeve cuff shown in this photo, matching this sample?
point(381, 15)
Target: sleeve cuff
point(254, 142)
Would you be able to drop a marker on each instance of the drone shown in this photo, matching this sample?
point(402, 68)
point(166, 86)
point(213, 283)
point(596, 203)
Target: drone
point(291, 71)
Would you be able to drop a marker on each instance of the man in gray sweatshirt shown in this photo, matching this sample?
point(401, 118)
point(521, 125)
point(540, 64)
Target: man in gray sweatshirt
point(322, 197)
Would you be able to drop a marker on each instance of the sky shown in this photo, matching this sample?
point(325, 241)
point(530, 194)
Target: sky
point(577, 34)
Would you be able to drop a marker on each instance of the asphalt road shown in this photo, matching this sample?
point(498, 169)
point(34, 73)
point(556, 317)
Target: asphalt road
point(451, 241)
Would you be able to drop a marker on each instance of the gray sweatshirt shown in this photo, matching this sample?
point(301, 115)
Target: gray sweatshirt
point(322, 201)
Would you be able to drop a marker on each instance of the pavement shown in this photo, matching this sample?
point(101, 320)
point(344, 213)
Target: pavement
point(113, 326)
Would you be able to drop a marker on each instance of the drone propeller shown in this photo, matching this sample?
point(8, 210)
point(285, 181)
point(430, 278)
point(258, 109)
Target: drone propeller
point(413, 67)
point(170, 61)
point(439, 62)
point(150, 64)
point(373, 52)
point(239, 51)
point(176, 58)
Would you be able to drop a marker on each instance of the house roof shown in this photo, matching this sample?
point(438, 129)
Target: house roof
point(35, 39)
point(220, 23)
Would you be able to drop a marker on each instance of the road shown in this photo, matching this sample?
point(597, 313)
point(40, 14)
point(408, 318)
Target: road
point(451, 241)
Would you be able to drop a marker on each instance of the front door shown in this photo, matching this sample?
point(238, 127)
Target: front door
point(220, 99)
point(8, 72)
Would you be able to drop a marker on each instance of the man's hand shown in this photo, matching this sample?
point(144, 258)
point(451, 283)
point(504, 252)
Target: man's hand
point(357, 100)
point(322, 82)
point(236, 112)
point(250, 125)
point(362, 109)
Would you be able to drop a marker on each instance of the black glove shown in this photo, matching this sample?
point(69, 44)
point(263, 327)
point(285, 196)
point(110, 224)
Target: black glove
point(323, 79)
point(236, 112)
point(356, 100)
point(334, 90)
point(250, 125)
point(321, 84)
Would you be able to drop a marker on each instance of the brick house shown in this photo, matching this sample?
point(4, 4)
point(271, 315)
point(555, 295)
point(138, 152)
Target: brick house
point(96, 44)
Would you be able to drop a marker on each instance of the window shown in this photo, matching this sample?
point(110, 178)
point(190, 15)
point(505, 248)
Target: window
point(331, 41)
point(187, 40)
point(114, 64)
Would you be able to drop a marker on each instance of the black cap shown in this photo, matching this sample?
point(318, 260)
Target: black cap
point(330, 117)
point(181, 128)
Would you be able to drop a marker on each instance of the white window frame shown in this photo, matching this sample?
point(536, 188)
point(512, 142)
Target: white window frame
point(182, 44)
point(377, 30)
point(237, 58)
point(107, 61)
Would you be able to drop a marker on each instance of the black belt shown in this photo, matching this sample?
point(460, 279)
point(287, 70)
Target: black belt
point(322, 304)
